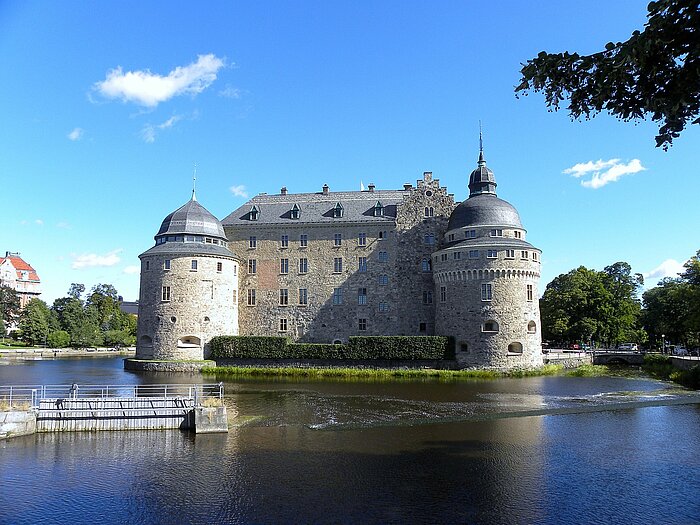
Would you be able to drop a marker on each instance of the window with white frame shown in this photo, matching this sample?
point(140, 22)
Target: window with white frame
point(362, 296)
point(166, 264)
point(362, 264)
point(523, 254)
point(510, 254)
point(530, 293)
point(362, 239)
point(252, 265)
point(284, 296)
point(165, 296)
point(251, 297)
point(303, 240)
point(470, 234)
point(303, 296)
point(283, 325)
point(496, 232)
point(337, 264)
point(303, 265)
point(486, 292)
point(518, 234)
point(491, 254)
point(193, 265)
point(337, 296)
point(284, 265)
point(337, 239)
point(252, 242)
point(284, 241)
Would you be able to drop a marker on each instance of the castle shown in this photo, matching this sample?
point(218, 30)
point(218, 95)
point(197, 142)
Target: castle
point(321, 267)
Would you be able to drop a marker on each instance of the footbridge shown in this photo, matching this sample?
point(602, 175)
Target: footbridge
point(75, 408)
point(613, 357)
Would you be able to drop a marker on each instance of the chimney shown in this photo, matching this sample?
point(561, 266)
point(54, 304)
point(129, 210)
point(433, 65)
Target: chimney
point(325, 189)
point(370, 187)
point(407, 186)
point(427, 176)
point(283, 191)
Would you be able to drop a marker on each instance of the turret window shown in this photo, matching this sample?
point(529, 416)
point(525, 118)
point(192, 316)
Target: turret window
point(470, 234)
point(426, 265)
point(456, 255)
point(165, 296)
point(473, 254)
point(486, 292)
point(219, 267)
point(490, 326)
point(193, 265)
point(492, 254)
point(531, 327)
point(496, 233)
point(166, 264)
point(523, 254)
point(530, 293)
point(429, 211)
point(515, 348)
point(510, 254)
point(443, 294)
point(518, 234)
point(534, 256)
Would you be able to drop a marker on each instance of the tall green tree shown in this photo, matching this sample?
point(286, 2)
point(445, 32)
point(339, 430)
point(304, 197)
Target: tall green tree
point(9, 307)
point(655, 74)
point(34, 322)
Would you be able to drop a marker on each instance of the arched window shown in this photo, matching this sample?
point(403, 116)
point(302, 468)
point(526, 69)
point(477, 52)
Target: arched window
point(515, 348)
point(531, 327)
point(490, 326)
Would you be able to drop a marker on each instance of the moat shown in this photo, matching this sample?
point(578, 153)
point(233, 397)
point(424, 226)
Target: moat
point(532, 450)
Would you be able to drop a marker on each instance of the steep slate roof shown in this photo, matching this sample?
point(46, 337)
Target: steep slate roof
point(484, 210)
point(358, 206)
point(191, 219)
point(20, 265)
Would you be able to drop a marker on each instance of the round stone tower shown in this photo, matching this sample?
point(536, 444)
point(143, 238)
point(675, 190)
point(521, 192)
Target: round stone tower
point(189, 287)
point(486, 279)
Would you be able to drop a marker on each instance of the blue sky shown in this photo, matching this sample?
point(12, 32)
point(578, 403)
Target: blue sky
point(107, 106)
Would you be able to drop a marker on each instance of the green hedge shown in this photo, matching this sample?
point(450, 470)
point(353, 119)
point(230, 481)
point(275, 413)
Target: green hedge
point(363, 348)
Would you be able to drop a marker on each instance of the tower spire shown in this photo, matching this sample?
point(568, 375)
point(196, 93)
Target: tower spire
point(194, 182)
point(481, 162)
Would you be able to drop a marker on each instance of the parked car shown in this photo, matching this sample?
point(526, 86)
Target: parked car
point(628, 347)
point(679, 351)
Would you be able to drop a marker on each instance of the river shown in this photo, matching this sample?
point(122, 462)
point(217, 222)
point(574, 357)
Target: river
point(559, 450)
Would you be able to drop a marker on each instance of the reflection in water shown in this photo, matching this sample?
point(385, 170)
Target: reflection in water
point(392, 452)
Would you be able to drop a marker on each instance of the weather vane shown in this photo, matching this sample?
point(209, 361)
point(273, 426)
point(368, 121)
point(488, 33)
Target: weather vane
point(194, 182)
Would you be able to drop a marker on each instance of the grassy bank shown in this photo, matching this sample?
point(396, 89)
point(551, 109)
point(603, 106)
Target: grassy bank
point(374, 373)
point(660, 366)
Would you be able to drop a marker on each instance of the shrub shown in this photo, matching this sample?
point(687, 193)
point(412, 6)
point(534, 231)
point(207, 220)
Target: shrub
point(398, 347)
point(248, 347)
point(58, 339)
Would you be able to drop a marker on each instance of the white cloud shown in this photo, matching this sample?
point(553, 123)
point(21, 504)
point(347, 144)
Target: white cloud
point(76, 134)
point(150, 89)
point(668, 268)
point(91, 260)
point(132, 269)
point(63, 225)
point(239, 191)
point(149, 131)
point(38, 222)
point(603, 171)
point(230, 92)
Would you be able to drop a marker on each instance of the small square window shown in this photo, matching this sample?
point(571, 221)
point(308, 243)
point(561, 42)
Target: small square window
point(383, 256)
point(518, 235)
point(523, 254)
point(496, 233)
point(429, 239)
point(456, 255)
point(510, 254)
point(383, 279)
point(383, 307)
point(423, 327)
point(470, 234)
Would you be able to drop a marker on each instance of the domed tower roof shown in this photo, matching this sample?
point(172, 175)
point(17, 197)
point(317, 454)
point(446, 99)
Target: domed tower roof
point(191, 219)
point(483, 207)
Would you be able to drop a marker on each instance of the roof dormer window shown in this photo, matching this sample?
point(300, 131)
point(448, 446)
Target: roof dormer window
point(294, 213)
point(338, 211)
point(253, 214)
point(378, 209)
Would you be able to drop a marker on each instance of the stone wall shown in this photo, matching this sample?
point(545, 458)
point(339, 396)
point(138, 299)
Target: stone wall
point(16, 423)
point(202, 304)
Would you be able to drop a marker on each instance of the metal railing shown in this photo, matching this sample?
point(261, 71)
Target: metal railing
point(30, 396)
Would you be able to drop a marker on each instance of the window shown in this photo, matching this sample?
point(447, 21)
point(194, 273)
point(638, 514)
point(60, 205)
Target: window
point(426, 265)
point(515, 348)
point(337, 296)
point(443, 257)
point(362, 296)
point(456, 255)
point(534, 256)
point(422, 327)
point(337, 239)
point(427, 297)
point(235, 269)
point(443, 294)
point(490, 326)
point(303, 296)
point(251, 297)
point(510, 254)
point(252, 242)
point(219, 266)
point(383, 307)
point(383, 279)
point(382, 235)
point(429, 239)
point(254, 213)
point(518, 235)
point(193, 265)
point(486, 294)
point(166, 293)
point(473, 254)
point(531, 327)
point(294, 214)
point(523, 254)
point(362, 324)
point(337, 265)
point(284, 297)
point(451, 237)
point(383, 256)
point(362, 264)
point(284, 265)
point(470, 234)
point(303, 265)
point(235, 297)
point(303, 240)
point(378, 209)
point(283, 325)
point(429, 211)
point(338, 211)
point(166, 264)
point(491, 254)
point(496, 233)
point(252, 265)
point(362, 239)
point(147, 265)
point(284, 241)
point(529, 292)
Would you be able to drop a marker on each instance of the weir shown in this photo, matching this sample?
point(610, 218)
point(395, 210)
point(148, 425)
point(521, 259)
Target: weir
point(76, 408)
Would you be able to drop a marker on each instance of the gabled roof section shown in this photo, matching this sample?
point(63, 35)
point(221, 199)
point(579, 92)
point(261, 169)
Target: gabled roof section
point(318, 208)
point(24, 270)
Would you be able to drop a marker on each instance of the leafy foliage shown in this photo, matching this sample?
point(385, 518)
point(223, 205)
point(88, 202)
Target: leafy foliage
point(34, 322)
point(655, 73)
point(59, 339)
point(9, 306)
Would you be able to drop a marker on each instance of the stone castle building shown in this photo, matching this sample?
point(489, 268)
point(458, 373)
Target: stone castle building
point(321, 267)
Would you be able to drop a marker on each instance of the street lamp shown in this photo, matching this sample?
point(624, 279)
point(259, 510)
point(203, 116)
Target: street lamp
point(663, 343)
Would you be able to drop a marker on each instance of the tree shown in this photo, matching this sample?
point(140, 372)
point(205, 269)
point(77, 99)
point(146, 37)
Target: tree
point(76, 290)
point(34, 322)
point(59, 339)
point(655, 73)
point(9, 306)
point(103, 301)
